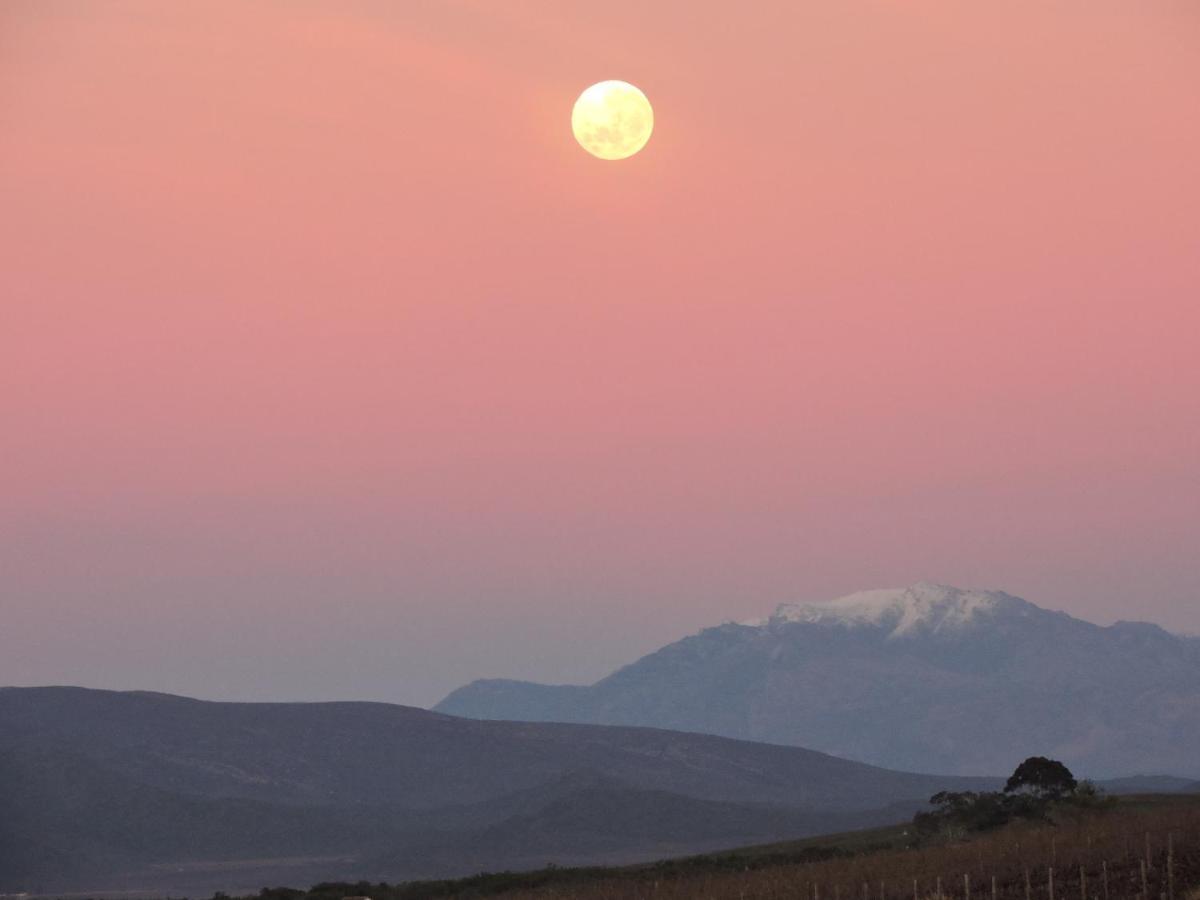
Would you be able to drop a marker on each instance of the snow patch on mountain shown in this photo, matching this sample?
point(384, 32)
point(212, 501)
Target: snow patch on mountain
point(923, 608)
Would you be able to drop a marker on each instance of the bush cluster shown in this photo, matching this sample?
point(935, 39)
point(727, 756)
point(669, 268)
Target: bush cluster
point(1038, 786)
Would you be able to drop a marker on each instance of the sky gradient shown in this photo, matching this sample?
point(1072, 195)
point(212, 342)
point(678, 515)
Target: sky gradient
point(331, 366)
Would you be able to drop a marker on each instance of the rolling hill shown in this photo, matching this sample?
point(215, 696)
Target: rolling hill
point(104, 790)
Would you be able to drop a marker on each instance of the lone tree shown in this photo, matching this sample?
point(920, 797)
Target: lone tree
point(1045, 779)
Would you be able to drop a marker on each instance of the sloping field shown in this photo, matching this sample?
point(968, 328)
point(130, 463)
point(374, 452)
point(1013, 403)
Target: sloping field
point(1091, 856)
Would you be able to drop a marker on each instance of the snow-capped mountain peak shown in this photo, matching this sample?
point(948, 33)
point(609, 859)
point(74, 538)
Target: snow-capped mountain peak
point(886, 676)
point(922, 608)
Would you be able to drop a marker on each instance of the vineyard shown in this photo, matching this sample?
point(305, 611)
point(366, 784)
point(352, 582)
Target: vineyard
point(1142, 849)
point(1145, 851)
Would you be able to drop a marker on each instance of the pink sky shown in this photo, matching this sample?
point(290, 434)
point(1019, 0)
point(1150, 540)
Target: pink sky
point(330, 365)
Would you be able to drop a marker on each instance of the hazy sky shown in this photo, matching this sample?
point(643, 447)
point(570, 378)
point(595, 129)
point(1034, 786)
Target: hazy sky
point(331, 366)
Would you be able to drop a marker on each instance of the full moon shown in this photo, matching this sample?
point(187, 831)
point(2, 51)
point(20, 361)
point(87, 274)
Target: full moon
point(612, 120)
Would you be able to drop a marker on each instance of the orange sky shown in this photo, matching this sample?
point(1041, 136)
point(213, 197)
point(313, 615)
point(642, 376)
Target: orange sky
point(327, 354)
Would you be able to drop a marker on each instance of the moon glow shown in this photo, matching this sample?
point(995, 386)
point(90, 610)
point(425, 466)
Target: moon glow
point(612, 120)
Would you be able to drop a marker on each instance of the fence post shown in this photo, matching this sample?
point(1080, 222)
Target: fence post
point(1145, 883)
point(1104, 873)
point(1050, 882)
point(1170, 866)
point(1028, 885)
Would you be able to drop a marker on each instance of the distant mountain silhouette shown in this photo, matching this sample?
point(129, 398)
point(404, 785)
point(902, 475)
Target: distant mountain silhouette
point(103, 791)
point(927, 678)
point(1150, 784)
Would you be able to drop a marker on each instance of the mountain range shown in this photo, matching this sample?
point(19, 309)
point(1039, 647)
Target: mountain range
point(925, 678)
point(698, 746)
point(104, 791)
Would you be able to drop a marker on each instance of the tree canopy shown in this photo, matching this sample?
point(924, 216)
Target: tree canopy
point(1046, 779)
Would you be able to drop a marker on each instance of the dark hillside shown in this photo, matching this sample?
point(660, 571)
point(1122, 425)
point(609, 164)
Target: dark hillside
point(154, 791)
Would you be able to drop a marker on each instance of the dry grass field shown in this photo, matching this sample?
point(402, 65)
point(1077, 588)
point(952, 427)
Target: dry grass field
point(1144, 849)
point(1141, 848)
